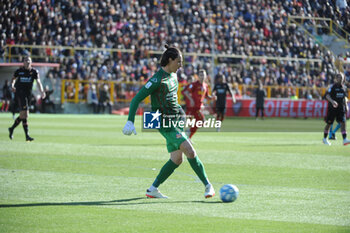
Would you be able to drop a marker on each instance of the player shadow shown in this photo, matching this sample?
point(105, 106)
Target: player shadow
point(132, 145)
point(283, 145)
point(207, 202)
point(105, 203)
point(91, 203)
point(142, 145)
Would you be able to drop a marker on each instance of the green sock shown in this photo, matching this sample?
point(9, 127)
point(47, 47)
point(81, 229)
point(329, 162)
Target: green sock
point(198, 168)
point(165, 172)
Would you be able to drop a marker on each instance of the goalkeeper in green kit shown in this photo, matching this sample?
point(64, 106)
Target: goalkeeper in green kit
point(163, 87)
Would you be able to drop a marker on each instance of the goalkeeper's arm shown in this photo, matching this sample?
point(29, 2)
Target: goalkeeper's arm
point(145, 91)
point(141, 95)
point(129, 127)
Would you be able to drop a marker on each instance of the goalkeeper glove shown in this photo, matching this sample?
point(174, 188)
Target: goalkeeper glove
point(129, 128)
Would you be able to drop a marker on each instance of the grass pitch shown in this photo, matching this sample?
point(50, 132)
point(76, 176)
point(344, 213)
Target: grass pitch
point(82, 175)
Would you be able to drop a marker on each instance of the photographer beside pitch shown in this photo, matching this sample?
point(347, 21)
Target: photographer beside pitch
point(162, 87)
point(337, 108)
point(22, 84)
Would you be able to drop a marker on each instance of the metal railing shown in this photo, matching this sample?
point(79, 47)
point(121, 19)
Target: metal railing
point(123, 92)
point(326, 25)
point(50, 52)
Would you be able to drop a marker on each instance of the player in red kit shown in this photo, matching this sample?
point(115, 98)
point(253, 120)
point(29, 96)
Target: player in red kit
point(196, 93)
point(190, 80)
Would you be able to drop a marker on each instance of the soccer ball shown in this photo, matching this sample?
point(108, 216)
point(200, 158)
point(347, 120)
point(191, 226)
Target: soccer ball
point(229, 193)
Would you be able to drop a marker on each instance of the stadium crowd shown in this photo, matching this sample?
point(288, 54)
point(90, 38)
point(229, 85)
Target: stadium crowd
point(255, 28)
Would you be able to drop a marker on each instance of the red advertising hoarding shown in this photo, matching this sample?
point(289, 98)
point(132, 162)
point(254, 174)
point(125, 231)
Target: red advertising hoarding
point(279, 108)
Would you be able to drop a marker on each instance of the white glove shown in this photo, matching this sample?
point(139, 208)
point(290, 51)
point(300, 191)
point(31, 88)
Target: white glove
point(129, 128)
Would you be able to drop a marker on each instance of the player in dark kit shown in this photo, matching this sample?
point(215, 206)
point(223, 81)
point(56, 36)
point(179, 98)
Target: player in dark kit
point(220, 91)
point(260, 100)
point(337, 108)
point(22, 84)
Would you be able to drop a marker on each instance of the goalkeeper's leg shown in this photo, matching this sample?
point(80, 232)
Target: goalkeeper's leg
point(164, 173)
point(197, 167)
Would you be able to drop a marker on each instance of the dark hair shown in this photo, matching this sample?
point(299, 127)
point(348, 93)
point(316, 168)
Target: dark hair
point(338, 75)
point(170, 52)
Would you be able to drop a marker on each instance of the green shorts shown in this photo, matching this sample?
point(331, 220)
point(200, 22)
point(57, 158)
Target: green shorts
point(174, 137)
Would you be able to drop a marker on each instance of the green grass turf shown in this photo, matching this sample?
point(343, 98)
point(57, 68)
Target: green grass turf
point(82, 175)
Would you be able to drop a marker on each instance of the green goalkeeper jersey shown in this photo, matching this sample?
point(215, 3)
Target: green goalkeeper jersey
point(163, 90)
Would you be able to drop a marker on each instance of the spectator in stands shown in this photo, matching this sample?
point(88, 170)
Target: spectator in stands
point(342, 5)
point(70, 90)
point(92, 98)
point(47, 102)
point(236, 91)
point(6, 97)
point(104, 100)
point(224, 27)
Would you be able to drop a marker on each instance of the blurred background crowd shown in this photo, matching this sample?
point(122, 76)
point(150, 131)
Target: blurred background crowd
point(241, 27)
